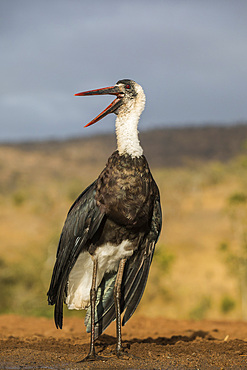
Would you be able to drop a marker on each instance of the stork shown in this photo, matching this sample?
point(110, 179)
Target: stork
point(108, 239)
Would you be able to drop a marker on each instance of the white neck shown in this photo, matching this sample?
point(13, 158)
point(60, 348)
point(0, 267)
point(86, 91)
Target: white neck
point(126, 126)
point(127, 135)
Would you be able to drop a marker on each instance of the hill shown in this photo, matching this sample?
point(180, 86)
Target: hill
point(166, 147)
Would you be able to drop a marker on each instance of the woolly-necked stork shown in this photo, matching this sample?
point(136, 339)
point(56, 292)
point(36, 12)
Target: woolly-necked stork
point(108, 239)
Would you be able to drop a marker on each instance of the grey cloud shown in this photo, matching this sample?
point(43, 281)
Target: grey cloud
point(190, 57)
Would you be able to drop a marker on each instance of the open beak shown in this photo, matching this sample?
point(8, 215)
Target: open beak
point(112, 90)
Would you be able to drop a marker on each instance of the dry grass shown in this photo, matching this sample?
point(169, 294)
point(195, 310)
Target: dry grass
point(189, 277)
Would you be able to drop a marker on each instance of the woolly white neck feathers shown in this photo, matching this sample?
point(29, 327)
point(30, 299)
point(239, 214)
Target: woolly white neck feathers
point(127, 122)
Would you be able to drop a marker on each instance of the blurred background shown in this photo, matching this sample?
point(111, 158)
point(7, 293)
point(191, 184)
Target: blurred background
point(191, 59)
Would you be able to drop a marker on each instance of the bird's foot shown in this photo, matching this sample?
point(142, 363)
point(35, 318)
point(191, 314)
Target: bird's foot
point(92, 356)
point(123, 355)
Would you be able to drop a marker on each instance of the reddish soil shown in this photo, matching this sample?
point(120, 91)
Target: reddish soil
point(31, 343)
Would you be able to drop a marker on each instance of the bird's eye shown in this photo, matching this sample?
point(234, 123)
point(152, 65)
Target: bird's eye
point(127, 86)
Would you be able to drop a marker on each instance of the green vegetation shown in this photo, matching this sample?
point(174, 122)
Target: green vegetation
point(227, 304)
point(204, 206)
point(200, 311)
point(235, 250)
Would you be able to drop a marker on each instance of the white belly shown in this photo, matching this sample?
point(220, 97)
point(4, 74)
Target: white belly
point(80, 278)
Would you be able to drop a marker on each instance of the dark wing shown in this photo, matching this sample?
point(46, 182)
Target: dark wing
point(83, 220)
point(134, 279)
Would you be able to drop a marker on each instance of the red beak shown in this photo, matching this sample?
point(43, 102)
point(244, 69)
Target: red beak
point(112, 90)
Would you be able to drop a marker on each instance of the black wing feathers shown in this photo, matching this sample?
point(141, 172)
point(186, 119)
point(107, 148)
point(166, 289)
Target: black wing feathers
point(134, 286)
point(134, 278)
point(83, 220)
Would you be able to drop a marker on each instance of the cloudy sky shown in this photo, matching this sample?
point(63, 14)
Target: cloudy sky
point(190, 56)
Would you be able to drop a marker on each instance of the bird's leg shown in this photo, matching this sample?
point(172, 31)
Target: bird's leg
point(92, 303)
point(92, 356)
point(117, 299)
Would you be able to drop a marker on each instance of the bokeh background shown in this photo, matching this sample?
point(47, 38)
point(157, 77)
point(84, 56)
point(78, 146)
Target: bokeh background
point(191, 59)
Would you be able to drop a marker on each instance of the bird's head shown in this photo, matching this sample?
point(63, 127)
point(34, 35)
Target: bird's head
point(129, 97)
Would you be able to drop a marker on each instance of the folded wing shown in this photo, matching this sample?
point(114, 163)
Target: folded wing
point(83, 221)
point(134, 279)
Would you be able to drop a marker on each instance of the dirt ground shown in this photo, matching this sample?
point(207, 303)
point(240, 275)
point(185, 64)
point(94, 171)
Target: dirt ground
point(34, 343)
